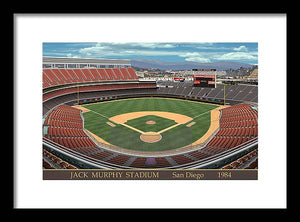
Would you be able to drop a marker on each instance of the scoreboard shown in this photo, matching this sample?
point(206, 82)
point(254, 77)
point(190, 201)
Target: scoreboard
point(205, 81)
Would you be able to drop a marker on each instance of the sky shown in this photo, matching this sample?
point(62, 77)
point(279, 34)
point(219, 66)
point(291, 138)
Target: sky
point(163, 51)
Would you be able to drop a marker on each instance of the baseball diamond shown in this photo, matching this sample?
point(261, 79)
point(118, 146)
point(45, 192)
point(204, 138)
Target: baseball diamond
point(145, 123)
point(131, 131)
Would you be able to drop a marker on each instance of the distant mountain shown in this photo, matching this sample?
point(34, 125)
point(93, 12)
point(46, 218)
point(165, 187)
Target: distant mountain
point(157, 64)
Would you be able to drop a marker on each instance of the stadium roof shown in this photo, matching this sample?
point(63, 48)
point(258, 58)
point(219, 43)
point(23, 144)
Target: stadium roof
point(51, 60)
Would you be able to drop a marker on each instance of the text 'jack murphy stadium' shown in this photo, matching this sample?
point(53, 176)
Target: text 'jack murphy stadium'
point(98, 114)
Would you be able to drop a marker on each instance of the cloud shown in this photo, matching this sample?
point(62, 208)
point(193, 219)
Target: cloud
point(194, 57)
point(237, 56)
point(154, 45)
point(198, 59)
point(136, 45)
point(159, 49)
point(242, 48)
point(70, 55)
point(127, 49)
point(195, 52)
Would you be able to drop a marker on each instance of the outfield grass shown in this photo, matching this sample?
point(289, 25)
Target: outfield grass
point(95, 121)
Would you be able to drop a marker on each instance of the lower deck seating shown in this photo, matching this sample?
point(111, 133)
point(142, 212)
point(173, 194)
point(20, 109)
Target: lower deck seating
point(50, 161)
point(238, 124)
point(182, 159)
point(139, 162)
point(64, 126)
point(248, 161)
point(119, 159)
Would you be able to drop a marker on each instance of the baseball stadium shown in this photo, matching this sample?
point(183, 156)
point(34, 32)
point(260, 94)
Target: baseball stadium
point(99, 114)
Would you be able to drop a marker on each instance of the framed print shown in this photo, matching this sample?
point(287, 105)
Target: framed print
point(150, 110)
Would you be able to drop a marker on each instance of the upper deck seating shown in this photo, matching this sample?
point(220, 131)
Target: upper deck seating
point(55, 77)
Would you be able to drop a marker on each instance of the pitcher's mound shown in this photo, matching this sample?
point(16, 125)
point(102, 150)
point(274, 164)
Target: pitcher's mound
point(150, 122)
point(150, 137)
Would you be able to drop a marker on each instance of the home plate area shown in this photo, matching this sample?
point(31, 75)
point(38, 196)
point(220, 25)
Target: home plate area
point(150, 124)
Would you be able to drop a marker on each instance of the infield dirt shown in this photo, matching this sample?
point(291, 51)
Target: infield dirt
point(83, 109)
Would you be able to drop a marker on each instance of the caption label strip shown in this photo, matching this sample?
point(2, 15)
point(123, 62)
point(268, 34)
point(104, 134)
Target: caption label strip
point(150, 174)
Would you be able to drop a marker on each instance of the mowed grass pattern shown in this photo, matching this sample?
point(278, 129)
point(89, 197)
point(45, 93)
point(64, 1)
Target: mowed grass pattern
point(95, 121)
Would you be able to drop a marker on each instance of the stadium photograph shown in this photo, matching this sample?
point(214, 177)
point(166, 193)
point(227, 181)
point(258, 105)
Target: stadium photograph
point(149, 107)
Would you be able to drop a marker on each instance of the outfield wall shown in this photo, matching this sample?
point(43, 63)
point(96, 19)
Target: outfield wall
point(234, 94)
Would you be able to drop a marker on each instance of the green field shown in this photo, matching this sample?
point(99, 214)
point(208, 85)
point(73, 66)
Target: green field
point(95, 122)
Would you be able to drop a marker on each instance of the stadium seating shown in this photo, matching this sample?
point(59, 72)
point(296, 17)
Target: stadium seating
point(198, 154)
point(239, 93)
point(55, 77)
point(100, 155)
point(158, 162)
point(50, 161)
point(238, 124)
point(161, 162)
point(139, 162)
point(65, 127)
point(119, 159)
point(248, 161)
point(181, 159)
point(91, 88)
point(63, 124)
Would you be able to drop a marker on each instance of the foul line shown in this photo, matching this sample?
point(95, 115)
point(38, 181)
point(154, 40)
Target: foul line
point(166, 129)
point(203, 113)
point(100, 114)
point(130, 127)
